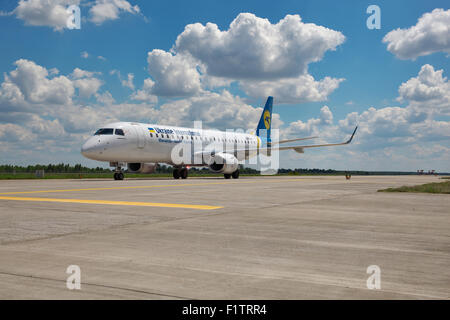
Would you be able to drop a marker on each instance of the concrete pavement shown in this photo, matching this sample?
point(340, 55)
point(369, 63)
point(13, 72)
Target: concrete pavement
point(258, 238)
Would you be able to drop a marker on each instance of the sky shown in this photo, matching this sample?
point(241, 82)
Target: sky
point(175, 62)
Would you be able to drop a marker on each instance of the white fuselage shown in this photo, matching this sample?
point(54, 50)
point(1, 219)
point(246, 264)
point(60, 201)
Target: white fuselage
point(155, 143)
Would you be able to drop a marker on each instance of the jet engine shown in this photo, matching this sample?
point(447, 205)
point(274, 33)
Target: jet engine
point(223, 163)
point(142, 167)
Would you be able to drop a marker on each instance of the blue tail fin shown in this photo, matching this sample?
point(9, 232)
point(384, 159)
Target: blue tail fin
point(265, 123)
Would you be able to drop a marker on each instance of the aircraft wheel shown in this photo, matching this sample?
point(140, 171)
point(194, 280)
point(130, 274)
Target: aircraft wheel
point(235, 174)
point(184, 173)
point(118, 176)
point(176, 174)
point(227, 175)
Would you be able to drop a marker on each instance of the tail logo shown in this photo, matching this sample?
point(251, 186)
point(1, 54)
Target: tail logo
point(267, 119)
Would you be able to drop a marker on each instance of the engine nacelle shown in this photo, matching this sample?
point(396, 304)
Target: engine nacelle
point(142, 167)
point(223, 163)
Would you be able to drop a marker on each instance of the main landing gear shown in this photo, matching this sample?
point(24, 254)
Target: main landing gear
point(235, 175)
point(180, 173)
point(118, 176)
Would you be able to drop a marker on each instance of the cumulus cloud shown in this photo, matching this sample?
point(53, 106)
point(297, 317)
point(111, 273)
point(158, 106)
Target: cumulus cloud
point(14, 133)
point(80, 119)
point(50, 13)
point(174, 75)
point(292, 90)
point(104, 10)
point(386, 138)
point(431, 34)
point(399, 138)
point(217, 110)
point(87, 86)
point(41, 111)
point(11, 97)
point(386, 135)
point(428, 92)
point(264, 58)
point(129, 81)
point(312, 127)
point(391, 127)
point(254, 48)
point(36, 138)
point(427, 95)
point(105, 98)
point(145, 94)
point(54, 14)
point(29, 91)
point(45, 128)
point(30, 83)
point(86, 82)
point(80, 73)
point(30, 88)
point(386, 122)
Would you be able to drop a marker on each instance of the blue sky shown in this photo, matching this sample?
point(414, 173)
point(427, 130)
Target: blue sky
point(373, 74)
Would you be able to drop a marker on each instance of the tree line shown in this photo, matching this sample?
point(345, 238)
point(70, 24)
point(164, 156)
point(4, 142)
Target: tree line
point(162, 168)
point(51, 168)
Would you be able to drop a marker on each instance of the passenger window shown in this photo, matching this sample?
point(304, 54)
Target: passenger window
point(151, 135)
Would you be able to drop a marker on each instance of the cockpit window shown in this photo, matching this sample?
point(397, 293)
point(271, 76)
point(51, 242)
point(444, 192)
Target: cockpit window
point(120, 132)
point(104, 131)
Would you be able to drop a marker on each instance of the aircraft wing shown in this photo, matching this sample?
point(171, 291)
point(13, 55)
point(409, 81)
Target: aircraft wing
point(291, 140)
point(299, 149)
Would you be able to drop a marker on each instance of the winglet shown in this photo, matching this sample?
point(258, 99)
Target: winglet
point(351, 138)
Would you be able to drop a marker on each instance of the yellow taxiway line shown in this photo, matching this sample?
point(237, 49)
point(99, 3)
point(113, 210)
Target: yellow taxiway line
point(117, 203)
point(113, 188)
point(147, 187)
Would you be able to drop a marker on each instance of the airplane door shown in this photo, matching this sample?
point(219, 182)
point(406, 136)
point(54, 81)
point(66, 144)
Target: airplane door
point(140, 136)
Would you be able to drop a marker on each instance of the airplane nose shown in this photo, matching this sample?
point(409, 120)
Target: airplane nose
point(89, 149)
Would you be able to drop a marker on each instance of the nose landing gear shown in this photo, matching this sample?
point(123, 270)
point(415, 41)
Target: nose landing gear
point(118, 174)
point(180, 173)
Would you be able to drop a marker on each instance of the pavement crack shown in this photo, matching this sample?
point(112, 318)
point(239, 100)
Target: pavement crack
point(99, 285)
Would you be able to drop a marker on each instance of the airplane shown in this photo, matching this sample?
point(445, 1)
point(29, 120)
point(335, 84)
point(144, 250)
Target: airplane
point(140, 147)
